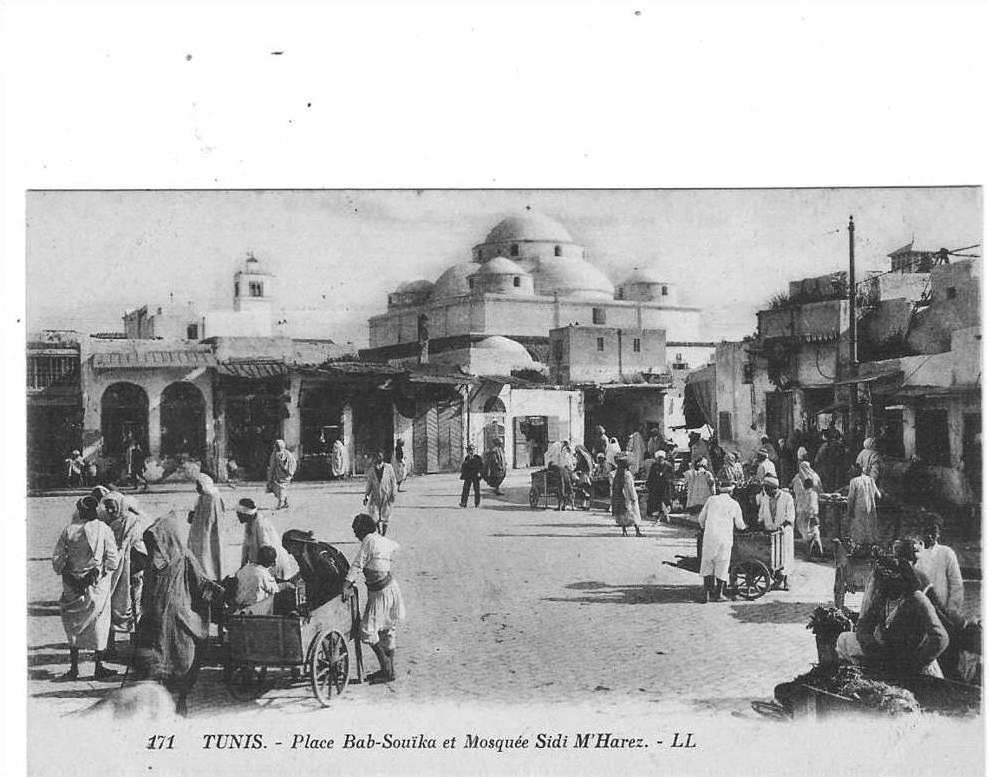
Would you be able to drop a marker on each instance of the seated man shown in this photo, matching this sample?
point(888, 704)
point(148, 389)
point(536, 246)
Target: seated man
point(900, 633)
point(256, 586)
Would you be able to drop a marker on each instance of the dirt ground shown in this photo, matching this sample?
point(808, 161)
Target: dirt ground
point(508, 608)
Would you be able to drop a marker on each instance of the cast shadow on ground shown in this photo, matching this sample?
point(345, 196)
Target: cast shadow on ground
point(48, 659)
point(562, 535)
point(773, 612)
point(602, 593)
point(43, 608)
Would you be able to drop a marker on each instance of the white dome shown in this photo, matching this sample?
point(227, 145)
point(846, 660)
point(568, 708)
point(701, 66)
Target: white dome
point(414, 286)
point(501, 266)
point(453, 282)
point(644, 275)
point(505, 346)
point(528, 226)
point(572, 277)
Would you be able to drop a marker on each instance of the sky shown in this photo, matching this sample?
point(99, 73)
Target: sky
point(92, 255)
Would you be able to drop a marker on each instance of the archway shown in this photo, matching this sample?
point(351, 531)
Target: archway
point(123, 416)
point(183, 421)
point(494, 422)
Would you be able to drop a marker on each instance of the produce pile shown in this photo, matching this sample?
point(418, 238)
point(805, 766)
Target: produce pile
point(864, 549)
point(829, 622)
point(850, 682)
point(835, 498)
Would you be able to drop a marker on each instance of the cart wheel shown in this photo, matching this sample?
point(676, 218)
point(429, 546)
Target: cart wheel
point(247, 682)
point(751, 579)
point(533, 497)
point(330, 666)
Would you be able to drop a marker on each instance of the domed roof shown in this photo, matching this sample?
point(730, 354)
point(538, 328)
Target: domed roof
point(505, 346)
point(645, 275)
point(501, 266)
point(453, 282)
point(412, 286)
point(571, 276)
point(529, 226)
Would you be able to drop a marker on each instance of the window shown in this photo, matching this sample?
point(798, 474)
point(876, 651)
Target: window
point(236, 288)
point(597, 315)
point(557, 250)
point(515, 250)
point(255, 289)
point(665, 291)
point(470, 283)
point(636, 345)
point(621, 292)
point(192, 332)
point(600, 343)
point(951, 292)
point(44, 371)
point(724, 425)
point(558, 351)
point(516, 281)
point(889, 432)
point(932, 437)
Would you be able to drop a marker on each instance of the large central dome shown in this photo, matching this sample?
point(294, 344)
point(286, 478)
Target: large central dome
point(529, 226)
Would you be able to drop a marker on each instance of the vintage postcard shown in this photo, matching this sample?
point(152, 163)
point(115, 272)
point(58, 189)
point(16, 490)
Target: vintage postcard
point(493, 388)
point(517, 479)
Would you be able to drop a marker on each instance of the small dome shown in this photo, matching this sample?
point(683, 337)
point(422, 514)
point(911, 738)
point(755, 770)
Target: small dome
point(505, 346)
point(453, 282)
point(408, 287)
point(528, 226)
point(572, 277)
point(501, 266)
point(644, 275)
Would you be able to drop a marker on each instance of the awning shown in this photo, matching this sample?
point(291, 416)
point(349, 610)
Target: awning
point(924, 392)
point(891, 375)
point(252, 370)
point(834, 407)
point(153, 360)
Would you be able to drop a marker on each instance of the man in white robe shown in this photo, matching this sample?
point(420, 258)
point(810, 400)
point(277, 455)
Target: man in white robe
point(85, 556)
point(636, 450)
point(777, 511)
point(380, 490)
point(719, 518)
point(258, 533)
point(338, 459)
point(863, 515)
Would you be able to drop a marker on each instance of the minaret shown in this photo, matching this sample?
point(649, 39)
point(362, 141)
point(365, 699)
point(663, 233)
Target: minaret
point(253, 287)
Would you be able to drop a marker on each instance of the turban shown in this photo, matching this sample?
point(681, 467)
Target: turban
point(771, 480)
point(660, 454)
point(247, 507)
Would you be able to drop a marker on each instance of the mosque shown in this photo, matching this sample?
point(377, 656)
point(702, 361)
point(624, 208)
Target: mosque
point(529, 276)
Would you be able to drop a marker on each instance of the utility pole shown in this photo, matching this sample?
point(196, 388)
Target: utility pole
point(853, 316)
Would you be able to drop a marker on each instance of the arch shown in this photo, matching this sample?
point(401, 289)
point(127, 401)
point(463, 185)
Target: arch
point(183, 421)
point(123, 416)
point(494, 405)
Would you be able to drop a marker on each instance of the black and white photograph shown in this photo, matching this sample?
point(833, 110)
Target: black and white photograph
point(345, 449)
point(508, 390)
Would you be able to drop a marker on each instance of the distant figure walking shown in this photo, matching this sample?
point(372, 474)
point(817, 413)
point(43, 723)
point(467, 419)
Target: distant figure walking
point(398, 463)
point(495, 465)
point(624, 499)
point(470, 473)
point(380, 490)
point(338, 459)
point(281, 470)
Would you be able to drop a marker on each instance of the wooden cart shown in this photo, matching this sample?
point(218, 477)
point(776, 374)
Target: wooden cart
point(756, 561)
point(546, 483)
point(321, 648)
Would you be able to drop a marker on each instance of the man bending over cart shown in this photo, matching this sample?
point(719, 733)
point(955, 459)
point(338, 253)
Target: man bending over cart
point(385, 608)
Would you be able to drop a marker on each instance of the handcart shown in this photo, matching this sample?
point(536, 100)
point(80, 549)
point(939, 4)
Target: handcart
point(321, 647)
point(546, 483)
point(756, 562)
